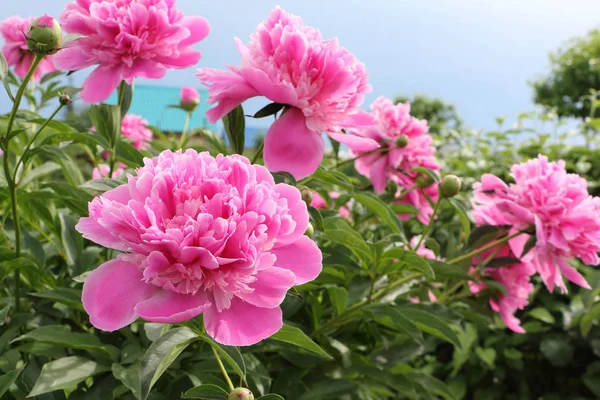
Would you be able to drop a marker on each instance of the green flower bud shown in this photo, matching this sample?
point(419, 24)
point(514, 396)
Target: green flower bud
point(64, 99)
point(44, 36)
point(402, 141)
point(450, 186)
point(307, 195)
point(240, 394)
point(310, 231)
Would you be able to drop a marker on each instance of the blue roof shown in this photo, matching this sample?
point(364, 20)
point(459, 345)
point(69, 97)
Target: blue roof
point(151, 101)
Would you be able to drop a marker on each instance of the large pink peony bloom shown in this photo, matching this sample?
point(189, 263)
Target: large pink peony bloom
point(135, 128)
point(200, 235)
point(516, 278)
point(15, 49)
point(102, 171)
point(127, 39)
point(566, 218)
point(289, 63)
point(395, 164)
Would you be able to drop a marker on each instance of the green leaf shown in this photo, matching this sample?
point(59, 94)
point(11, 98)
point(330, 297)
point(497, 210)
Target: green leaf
point(332, 178)
point(557, 350)
point(589, 318)
point(72, 171)
point(129, 155)
point(128, 376)
point(502, 262)
point(484, 234)
point(430, 173)
point(126, 94)
point(65, 373)
point(412, 260)
point(230, 354)
point(462, 215)
point(284, 177)
point(461, 354)
point(293, 335)
point(430, 323)
point(530, 244)
point(339, 231)
point(4, 76)
point(101, 185)
point(488, 356)
point(317, 218)
point(67, 296)
point(106, 119)
point(52, 75)
point(329, 389)
point(269, 109)
point(89, 139)
point(207, 392)
point(61, 335)
point(161, 354)
point(382, 210)
point(8, 379)
point(39, 172)
point(542, 314)
point(339, 298)
point(235, 126)
point(3, 314)
point(270, 397)
point(445, 271)
point(390, 316)
point(71, 239)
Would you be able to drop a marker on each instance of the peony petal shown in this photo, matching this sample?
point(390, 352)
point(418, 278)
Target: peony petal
point(198, 27)
point(242, 324)
point(100, 84)
point(360, 118)
point(277, 92)
point(169, 307)
point(73, 58)
point(378, 175)
point(297, 210)
point(571, 274)
point(303, 258)
point(111, 293)
point(355, 143)
point(270, 287)
point(291, 147)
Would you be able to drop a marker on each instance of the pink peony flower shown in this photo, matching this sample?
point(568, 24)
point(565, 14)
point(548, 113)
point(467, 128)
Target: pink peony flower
point(189, 95)
point(102, 172)
point(395, 164)
point(566, 218)
point(135, 128)
point(517, 280)
point(127, 39)
point(321, 83)
point(320, 203)
point(15, 48)
point(200, 235)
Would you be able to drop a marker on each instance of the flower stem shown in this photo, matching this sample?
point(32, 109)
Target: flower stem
point(12, 187)
point(186, 124)
point(112, 153)
point(429, 227)
point(351, 160)
point(259, 152)
point(488, 246)
point(225, 375)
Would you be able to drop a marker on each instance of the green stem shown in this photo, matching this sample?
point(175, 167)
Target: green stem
point(425, 234)
point(185, 128)
point(112, 153)
point(488, 246)
point(351, 160)
point(225, 375)
point(33, 140)
point(259, 152)
point(12, 187)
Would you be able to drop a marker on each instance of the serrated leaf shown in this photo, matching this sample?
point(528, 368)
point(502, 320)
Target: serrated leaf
point(235, 126)
point(65, 373)
point(206, 392)
point(293, 335)
point(161, 353)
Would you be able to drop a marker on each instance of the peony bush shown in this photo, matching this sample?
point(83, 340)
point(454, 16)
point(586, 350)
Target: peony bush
point(388, 262)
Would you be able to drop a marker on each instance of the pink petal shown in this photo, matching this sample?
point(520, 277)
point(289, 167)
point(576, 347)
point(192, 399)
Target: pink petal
point(291, 147)
point(571, 274)
point(276, 92)
point(359, 119)
point(111, 293)
point(270, 287)
point(377, 174)
point(298, 211)
point(242, 324)
point(198, 27)
point(302, 257)
point(170, 307)
point(73, 58)
point(355, 143)
point(100, 84)
point(513, 323)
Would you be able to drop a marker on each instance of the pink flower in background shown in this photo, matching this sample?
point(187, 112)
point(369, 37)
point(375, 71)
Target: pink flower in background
point(394, 124)
point(15, 48)
point(320, 203)
point(321, 83)
point(201, 235)
point(102, 172)
point(189, 95)
point(516, 278)
point(135, 128)
point(127, 39)
point(566, 218)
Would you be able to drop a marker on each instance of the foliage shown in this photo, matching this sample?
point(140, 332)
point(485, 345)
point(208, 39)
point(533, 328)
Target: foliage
point(439, 114)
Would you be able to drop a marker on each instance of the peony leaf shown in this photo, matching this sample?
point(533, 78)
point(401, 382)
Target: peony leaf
point(235, 126)
point(339, 298)
point(382, 210)
point(8, 379)
point(207, 392)
point(293, 335)
point(269, 109)
point(230, 354)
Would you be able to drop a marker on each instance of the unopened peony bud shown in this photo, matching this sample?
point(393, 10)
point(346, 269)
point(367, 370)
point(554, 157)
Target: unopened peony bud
point(307, 195)
point(310, 231)
point(44, 35)
point(190, 98)
point(450, 186)
point(240, 394)
point(424, 181)
point(64, 99)
point(402, 141)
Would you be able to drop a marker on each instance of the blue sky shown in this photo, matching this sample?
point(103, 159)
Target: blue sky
point(477, 54)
